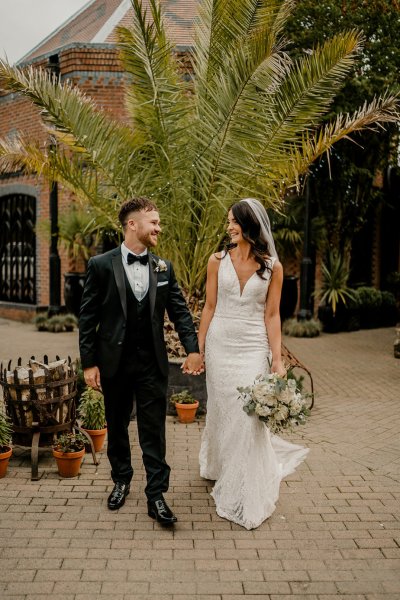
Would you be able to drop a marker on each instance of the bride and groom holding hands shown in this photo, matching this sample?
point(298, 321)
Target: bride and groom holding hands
point(123, 352)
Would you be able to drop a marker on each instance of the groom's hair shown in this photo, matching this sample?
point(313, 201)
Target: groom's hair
point(134, 205)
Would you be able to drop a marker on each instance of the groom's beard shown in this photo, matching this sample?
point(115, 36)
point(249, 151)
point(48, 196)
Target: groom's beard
point(148, 239)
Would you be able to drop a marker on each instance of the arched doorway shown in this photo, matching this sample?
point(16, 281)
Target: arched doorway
point(18, 248)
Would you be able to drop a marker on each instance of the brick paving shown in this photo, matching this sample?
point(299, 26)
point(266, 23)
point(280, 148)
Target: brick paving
point(335, 533)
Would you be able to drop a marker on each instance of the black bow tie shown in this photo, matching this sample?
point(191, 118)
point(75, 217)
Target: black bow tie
point(144, 259)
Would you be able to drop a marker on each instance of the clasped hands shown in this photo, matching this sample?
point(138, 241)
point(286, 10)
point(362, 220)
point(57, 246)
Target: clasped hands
point(194, 364)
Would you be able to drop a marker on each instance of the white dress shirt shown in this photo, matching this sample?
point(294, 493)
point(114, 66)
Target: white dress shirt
point(137, 274)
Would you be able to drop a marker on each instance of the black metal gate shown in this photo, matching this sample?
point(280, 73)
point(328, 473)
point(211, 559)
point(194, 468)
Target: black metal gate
point(17, 248)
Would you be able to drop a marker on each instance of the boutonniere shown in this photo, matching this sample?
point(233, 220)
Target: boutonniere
point(159, 265)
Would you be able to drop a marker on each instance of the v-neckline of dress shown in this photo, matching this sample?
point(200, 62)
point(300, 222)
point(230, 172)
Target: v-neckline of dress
point(241, 290)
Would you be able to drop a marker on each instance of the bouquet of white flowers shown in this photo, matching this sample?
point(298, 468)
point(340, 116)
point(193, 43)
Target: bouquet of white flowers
point(275, 400)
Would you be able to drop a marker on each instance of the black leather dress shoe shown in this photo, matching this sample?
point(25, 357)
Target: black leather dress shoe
point(117, 497)
point(160, 511)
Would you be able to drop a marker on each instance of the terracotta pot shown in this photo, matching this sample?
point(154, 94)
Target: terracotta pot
point(68, 463)
point(4, 458)
point(186, 412)
point(98, 437)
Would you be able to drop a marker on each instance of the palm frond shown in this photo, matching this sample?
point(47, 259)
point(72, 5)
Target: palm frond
point(312, 145)
point(55, 164)
point(76, 120)
point(247, 125)
point(157, 96)
point(224, 25)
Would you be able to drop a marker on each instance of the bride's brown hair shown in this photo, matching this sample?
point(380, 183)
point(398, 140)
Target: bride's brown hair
point(251, 232)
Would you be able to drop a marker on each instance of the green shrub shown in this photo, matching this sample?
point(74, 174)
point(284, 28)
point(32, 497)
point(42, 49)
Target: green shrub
point(40, 322)
point(55, 324)
point(307, 328)
point(388, 300)
point(369, 297)
point(70, 322)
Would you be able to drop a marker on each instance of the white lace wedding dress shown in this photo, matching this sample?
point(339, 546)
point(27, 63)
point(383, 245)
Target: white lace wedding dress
point(237, 451)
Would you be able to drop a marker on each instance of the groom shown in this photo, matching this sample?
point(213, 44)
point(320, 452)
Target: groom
point(123, 351)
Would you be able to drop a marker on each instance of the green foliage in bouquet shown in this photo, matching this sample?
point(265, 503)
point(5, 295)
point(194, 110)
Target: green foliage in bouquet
point(275, 400)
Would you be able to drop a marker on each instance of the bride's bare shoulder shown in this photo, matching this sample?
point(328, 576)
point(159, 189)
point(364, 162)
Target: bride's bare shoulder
point(216, 257)
point(214, 261)
point(277, 265)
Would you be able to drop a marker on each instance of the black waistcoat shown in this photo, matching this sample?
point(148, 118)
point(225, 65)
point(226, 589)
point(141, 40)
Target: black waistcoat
point(138, 325)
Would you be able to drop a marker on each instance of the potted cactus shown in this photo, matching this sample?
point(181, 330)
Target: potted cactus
point(93, 417)
point(5, 444)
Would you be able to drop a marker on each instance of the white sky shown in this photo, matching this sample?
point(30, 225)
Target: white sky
point(25, 23)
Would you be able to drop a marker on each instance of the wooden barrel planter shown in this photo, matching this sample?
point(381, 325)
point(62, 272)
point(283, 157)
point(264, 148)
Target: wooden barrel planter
point(40, 401)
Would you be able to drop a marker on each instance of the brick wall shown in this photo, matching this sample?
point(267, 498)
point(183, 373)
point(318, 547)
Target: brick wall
point(97, 71)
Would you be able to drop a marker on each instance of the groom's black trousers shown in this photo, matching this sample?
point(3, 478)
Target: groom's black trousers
point(139, 377)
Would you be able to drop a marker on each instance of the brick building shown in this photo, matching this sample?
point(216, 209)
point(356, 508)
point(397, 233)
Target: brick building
point(83, 50)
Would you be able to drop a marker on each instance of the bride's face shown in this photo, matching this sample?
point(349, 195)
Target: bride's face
point(234, 230)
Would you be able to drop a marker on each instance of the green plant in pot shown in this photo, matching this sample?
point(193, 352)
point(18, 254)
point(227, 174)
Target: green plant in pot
point(186, 406)
point(91, 411)
point(334, 293)
point(78, 234)
point(68, 450)
point(5, 443)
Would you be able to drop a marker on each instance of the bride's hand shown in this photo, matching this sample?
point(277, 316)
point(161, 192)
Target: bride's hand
point(278, 367)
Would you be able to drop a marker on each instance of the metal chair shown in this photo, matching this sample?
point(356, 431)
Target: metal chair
point(292, 362)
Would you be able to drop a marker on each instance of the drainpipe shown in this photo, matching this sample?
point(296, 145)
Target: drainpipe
point(54, 259)
point(306, 303)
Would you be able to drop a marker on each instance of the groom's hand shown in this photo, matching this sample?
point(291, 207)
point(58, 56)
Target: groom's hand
point(194, 364)
point(92, 378)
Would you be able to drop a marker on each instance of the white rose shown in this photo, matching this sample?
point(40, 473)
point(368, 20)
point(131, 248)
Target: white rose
point(262, 411)
point(286, 396)
point(260, 392)
point(272, 401)
point(295, 406)
point(282, 413)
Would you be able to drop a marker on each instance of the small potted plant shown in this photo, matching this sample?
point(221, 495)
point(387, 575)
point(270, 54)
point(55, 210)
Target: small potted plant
point(5, 443)
point(68, 450)
point(186, 406)
point(93, 417)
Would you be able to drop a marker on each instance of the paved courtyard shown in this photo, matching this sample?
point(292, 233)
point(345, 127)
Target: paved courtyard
point(335, 533)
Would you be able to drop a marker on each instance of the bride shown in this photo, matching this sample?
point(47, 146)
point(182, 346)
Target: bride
point(240, 334)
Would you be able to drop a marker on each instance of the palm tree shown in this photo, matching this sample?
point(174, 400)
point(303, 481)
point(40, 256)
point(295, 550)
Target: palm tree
point(247, 124)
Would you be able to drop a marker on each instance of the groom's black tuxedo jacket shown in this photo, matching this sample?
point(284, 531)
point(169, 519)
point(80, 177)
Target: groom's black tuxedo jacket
point(103, 313)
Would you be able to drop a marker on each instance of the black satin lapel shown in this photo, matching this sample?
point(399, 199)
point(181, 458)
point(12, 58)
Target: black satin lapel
point(152, 284)
point(120, 280)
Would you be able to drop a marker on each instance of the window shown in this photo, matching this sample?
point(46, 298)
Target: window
point(17, 248)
